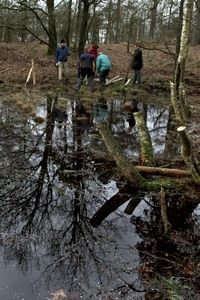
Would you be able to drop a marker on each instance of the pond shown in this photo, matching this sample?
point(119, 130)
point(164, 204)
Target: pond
point(55, 175)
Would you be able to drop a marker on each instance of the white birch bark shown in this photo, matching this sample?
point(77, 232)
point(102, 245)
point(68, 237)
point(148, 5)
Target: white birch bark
point(180, 65)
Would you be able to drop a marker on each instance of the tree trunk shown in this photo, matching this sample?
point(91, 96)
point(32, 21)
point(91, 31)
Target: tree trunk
point(51, 28)
point(186, 153)
point(146, 152)
point(178, 93)
point(183, 52)
point(195, 33)
point(118, 16)
point(153, 15)
point(178, 38)
point(84, 27)
point(163, 208)
point(69, 16)
point(108, 28)
point(125, 168)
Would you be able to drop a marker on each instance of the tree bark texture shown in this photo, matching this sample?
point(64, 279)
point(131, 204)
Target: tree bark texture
point(84, 26)
point(110, 206)
point(52, 36)
point(176, 103)
point(186, 153)
point(162, 171)
point(147, 157)
point(182, 56)
point(163, 208)
point(125, 168)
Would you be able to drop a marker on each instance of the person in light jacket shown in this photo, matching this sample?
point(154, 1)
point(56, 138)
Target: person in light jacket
point(103, 67)
point(62, 54)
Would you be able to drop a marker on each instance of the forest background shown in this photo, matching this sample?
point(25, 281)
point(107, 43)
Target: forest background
point(167, 30)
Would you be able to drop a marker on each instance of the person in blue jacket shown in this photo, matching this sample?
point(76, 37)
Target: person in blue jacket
point(62, 53)
point(103, 67)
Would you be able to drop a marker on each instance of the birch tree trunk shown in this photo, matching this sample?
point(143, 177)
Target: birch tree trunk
point(178, 91)
point(179, 99)
point(186, 152)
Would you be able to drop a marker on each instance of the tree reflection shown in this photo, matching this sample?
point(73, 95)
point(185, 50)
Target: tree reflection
point(48, 193)
point(168, 257)
point(51, 192)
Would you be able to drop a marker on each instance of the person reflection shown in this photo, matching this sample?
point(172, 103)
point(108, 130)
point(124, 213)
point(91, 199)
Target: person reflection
point(130, 107)
point(83, 117)
point(100, 110)
point(60, 116)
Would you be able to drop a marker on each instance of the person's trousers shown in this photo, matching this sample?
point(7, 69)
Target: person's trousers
point(137, 77)
point(63, 70)
point(90, 75)
point(102, 78)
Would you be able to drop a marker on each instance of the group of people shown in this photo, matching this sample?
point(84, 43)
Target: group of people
point(93, 63)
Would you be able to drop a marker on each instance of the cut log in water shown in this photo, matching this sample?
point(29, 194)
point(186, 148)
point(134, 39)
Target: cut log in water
point(127, 82)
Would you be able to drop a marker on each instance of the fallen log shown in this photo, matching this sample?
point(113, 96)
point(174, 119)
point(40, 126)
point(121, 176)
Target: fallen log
point(110, 80)
point(162, 171)
point(128, 81)
point(113, 80)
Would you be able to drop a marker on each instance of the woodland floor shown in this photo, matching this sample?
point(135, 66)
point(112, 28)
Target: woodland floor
point(15, 63)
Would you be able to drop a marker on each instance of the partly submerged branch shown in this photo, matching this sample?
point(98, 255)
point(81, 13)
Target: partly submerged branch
point(114, 202)
point(126, 169)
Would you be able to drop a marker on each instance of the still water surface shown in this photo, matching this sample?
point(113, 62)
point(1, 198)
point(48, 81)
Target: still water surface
point(51, 185)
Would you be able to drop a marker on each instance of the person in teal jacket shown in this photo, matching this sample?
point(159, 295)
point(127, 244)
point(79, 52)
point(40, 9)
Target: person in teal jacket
point(103, 67)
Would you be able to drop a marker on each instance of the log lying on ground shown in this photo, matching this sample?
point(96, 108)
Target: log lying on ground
point(127, 82)
point(162, 171)
point(115, 79)
point(103, 157)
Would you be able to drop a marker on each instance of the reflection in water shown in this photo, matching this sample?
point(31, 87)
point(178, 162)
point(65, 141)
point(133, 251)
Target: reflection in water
point(50, 187)
point(157, 124)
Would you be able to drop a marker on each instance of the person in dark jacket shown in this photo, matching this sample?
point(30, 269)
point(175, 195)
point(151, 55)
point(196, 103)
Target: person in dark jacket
point(137, 64)
point(86, 67)
point(62, 53)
